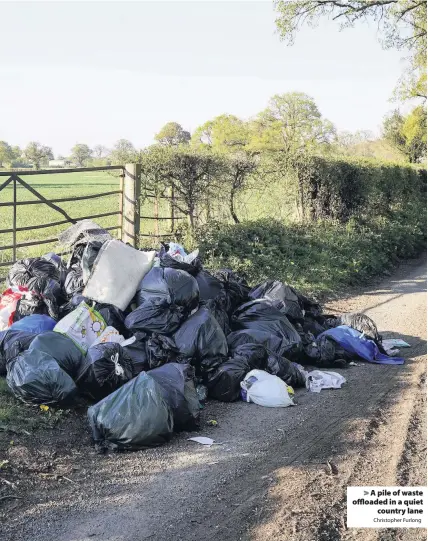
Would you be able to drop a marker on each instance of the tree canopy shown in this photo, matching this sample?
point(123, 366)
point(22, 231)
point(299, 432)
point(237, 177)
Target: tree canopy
point(172, 134)
point(402, 24)
point(408, 133)
point(123, 152)
point(81, 154)
point(38, 154)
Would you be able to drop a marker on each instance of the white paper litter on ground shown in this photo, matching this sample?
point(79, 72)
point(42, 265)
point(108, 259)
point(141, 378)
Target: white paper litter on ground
point(202, 439)
point(318, 380)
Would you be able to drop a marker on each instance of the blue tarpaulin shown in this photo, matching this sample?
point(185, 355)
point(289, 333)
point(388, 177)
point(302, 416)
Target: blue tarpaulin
point(356, 343)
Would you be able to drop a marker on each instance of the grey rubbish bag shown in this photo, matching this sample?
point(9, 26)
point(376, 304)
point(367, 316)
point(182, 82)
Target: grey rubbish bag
point(176, 381)
point(134, 417)
point(61, 348)
point(36, 378)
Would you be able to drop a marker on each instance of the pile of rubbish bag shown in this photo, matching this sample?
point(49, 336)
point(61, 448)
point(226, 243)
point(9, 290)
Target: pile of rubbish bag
point(146, 336)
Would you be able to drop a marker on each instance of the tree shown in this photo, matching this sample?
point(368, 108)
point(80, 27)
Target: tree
point(407, 134)
point(190, 172)
point(239, 168)
point(293, 124)
point(224, 133)
point(402, 24)
point(123, 152)
point(80, 154)
point(100, 151)
point(6, 153)
point(172, 134)
point(415, 132)
point(37, 154)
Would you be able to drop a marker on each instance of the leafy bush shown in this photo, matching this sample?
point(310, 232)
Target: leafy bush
point(317, 258)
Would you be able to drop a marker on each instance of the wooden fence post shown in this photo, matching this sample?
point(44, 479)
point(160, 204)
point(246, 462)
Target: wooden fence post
point(131, 204)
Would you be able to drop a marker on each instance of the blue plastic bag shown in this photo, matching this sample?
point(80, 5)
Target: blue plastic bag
point(37, 323)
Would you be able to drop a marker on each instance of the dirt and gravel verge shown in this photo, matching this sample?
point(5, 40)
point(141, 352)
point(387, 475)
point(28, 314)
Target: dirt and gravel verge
point(278, 474)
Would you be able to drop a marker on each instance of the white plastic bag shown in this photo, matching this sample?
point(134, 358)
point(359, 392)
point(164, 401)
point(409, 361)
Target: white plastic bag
point(116, 273)
point(266, 390)
point(109, 334)
point(84, 326)
point(318, 380)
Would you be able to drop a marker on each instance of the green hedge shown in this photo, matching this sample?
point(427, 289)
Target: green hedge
point(317, 258)
point(341, 189)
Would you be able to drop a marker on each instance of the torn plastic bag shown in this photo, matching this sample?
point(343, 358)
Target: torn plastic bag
point(8, 302)
point(166, 260)
point(266, 390)
point(12, 343)
point(74, 281)
point(255, 354)
point(35, 324)
point(134, 417)
point(44, 297)
point(201, 340)
point(236, 287)
point(105, 368)
point(285, 370)
point(157, 315)
point(116, 273)
point(176, 381)
point(90, 254)
point(36, 378)
point(356, 344)
point(278, 291)
point(176, 286)
point(25, 269)
point(225, 383)
point(61, 348)
point(361, 323)
point(267, 326)
point(215, 307)
point(84, 325)
point(82, 232)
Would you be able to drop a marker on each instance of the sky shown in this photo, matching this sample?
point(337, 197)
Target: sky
point(95, 72)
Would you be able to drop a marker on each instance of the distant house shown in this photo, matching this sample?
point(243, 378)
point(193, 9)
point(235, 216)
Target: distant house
point(58, 164)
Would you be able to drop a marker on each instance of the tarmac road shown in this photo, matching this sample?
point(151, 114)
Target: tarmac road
point(268, 480)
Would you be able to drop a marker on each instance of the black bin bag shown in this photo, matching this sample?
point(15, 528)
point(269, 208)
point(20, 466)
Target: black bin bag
point(285, 370)
point(278, 291)
point(262, 323)
point(167, 261)
point(175, 285)
point(89, 256)
point(225, 383)
point(61, 348)
point(157, 315)
point(201, 342)
point(113, 316)
point(235, 286)
point(36, 378)
point(33, 267)
point(134, 417)
point(105, 368)
point(179, 392)
point(256, 355)
point(210, 287)
point(12, 343)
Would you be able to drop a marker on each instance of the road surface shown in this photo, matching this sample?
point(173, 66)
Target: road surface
point(268, 480)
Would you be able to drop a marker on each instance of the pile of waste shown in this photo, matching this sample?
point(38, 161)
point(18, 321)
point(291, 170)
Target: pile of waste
point(148, 336)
